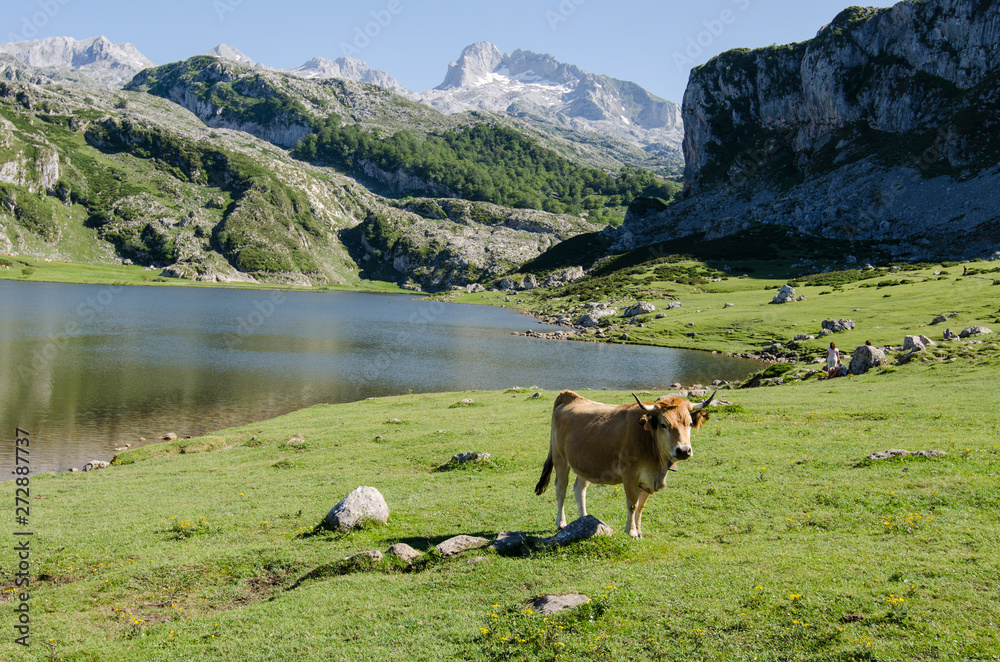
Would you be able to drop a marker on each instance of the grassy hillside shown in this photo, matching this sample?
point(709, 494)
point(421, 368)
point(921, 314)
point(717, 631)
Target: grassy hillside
point(779, 540)
point(726, 303)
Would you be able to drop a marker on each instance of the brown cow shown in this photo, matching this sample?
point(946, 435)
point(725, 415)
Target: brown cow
point(610, 444)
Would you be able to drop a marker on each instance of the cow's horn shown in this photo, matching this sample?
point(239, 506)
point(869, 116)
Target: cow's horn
point(644, 405)
point(706, 403)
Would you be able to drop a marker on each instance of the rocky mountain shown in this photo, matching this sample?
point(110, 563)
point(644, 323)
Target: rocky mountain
point(350, 69)
point(227, 52)
point(95, 175)
point(347, 68)
point(554, 96)
point(97, 60)
point(885, 128)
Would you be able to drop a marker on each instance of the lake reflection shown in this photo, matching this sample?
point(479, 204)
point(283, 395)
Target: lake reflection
point(87, 368)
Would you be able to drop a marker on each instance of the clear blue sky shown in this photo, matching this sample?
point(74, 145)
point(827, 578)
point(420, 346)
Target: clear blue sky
point(653, 43)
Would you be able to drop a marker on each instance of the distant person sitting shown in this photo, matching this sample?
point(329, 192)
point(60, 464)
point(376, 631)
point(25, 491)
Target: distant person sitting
point(839, 370)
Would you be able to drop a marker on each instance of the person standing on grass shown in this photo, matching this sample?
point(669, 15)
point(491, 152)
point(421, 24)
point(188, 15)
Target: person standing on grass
point(832, 357)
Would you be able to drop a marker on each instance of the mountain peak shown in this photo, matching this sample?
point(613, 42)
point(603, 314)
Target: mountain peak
point(96, 60)
point(228, 52)
point(349, 68)
point(473, 67)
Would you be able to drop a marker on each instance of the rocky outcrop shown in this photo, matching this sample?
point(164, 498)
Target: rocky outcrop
point(442, 243)
point(785, 295)
point(880, 129)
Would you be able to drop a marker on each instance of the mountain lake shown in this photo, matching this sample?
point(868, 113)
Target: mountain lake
point(88, 368)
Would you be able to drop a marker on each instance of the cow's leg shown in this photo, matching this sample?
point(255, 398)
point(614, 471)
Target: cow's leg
point(562, 482)
point(632, 495)
point(639, 505)
point(580, 491)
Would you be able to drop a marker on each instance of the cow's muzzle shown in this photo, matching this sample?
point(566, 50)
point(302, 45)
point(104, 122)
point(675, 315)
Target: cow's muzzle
point(683, 452)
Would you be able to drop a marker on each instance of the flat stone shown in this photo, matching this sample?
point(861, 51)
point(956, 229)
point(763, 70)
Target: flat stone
point(94, 465)
point(553, 604)
point(170, 436)
point(509, 542)
point(580, 529)
point(896, 452)
point(459, 544)
point(404, 552)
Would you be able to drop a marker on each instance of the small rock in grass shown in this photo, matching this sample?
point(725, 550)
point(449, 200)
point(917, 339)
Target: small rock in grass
point(580, 529)
point(404, 552)
point(373, 554)
point(553, 604)
point(459, 544)
point(508, 542)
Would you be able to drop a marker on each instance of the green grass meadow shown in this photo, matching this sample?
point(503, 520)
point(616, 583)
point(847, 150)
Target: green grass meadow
point(779, 540)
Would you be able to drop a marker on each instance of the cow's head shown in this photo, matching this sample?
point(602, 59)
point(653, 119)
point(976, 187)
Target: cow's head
point(670, 421)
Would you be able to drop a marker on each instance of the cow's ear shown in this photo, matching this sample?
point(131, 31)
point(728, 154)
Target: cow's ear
point(644, 422)
point(699, 418)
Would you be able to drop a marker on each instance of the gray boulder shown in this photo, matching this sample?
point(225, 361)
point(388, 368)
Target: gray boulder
point(837, 326)
point(913, 343)
point(864, 359)
point(939, 319)
point(580, 529)
point(950, 335)
point(474, 288)
point(94, 465)
point(459, 544)
point(785, 295)
point(529, 282)
point(971, 331)
point(511, 542)
point(594, 317)
point(568, 275)
point(404, 552)
point(553, 604)
point(674, 304)
point(364, 503)
point(640, 308)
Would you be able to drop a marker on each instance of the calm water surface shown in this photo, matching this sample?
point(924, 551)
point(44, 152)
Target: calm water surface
point(87, 368)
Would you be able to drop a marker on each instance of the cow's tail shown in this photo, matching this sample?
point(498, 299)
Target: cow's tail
point(543, 482)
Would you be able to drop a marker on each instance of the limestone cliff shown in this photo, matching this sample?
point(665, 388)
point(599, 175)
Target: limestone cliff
point(883, 127)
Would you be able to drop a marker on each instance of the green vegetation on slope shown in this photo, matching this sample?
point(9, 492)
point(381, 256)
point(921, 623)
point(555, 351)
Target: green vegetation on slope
point(485, 163)
point(472, 157)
